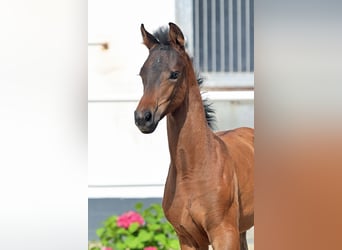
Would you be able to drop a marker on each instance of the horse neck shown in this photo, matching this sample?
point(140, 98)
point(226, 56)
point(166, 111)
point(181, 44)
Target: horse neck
point(188, 132)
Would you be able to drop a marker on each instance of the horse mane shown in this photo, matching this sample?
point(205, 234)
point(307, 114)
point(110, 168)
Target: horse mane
point(162, 35)
point(209, 111)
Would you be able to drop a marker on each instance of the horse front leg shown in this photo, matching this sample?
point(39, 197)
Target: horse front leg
point(226, 238)
point(184, 244)
point(226, 235)
point(243, 241)
point(187, 247)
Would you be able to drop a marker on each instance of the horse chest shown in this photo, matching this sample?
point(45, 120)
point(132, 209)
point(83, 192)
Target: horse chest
point(186, 200)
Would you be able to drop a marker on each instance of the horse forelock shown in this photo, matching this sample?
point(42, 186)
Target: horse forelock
point(162, 35)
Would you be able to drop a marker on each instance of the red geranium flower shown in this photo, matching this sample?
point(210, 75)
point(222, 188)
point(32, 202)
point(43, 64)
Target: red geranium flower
point(126, 219)
point(150, 248)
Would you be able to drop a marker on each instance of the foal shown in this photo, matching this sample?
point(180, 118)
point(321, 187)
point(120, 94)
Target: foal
point(208, 196)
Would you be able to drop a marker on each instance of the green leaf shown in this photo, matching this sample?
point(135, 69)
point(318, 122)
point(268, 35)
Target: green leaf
point(158, 209)
point(120, 246)
point(151, 220)
point(160, 238)
point(104, 242)
point(153, 227)
point(100, 232)
point(132, 242)
point(144, 236)
point(110, 221)
point(122, 231)
point(139, 206)
point(173, 244)
point(140, 245)
point(167, 227)
point(133, 227)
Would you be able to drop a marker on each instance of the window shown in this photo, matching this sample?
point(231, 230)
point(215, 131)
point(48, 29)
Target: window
point(223, 35)
point(221, 39)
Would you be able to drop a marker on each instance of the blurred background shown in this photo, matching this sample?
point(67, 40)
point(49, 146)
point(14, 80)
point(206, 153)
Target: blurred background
point(220, 38)
point(43, 128)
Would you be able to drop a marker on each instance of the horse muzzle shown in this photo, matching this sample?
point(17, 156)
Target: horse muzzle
point(145, 121)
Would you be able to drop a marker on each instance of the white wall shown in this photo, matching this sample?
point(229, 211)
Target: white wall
point(122, 162)
point(114, 72)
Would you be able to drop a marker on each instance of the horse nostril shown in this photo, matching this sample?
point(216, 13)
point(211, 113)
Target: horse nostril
point(147, 116)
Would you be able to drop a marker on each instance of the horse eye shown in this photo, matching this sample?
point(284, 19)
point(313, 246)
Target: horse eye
point(174, 75)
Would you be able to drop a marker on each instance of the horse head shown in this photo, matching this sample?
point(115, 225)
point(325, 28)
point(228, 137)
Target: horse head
point(163, 75)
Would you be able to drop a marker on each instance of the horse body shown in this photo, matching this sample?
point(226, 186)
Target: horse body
point(240, 143)
point(208, 196)
point(208, 185)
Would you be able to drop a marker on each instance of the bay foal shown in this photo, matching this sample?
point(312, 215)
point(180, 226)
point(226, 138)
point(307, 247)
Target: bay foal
point(208, 195)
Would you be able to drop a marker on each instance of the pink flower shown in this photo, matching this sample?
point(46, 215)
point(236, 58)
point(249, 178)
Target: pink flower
point(150, 248)
point(126, 219)
point(106, 248)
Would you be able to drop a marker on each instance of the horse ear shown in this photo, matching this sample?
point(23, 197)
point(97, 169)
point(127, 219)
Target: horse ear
point(149, 40)
point(176, 35)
